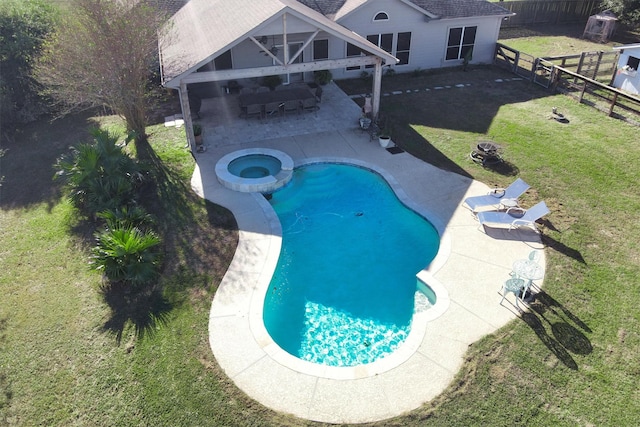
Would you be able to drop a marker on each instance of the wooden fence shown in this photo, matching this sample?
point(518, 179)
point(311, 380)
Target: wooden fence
point(549, 11)
point(585, 77)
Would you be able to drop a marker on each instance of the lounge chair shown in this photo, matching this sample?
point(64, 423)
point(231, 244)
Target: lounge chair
point(513, 191)
point(515, 217)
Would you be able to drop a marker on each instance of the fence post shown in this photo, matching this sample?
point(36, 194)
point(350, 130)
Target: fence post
point(579, 70)
point(595, 71)
point(584, 87)
point(613, 103)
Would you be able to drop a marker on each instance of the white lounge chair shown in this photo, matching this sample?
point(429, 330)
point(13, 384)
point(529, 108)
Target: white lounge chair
point(513, 191)
point(515, 217)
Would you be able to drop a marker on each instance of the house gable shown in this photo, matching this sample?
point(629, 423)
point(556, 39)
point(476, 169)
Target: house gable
point(431, 9)
point(204, 29)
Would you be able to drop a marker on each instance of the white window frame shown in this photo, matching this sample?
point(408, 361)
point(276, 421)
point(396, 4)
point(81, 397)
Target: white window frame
point(380, 20)
point(461, 44)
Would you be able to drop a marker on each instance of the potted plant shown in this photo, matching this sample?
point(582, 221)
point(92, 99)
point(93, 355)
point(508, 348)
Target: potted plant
point(272, 81)
point(384, 139)
point(322, 77)
point(365, 122)
point(197, 133)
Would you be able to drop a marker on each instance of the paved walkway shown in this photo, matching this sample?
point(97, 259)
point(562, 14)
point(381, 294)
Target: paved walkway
point(471, 268)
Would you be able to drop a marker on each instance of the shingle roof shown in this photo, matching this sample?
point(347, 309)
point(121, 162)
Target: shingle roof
point(443, 9)
point(205, 28)
point(447, 9)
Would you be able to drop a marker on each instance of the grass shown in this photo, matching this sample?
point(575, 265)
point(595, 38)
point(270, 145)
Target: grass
point(563, 39)
point(571, 360)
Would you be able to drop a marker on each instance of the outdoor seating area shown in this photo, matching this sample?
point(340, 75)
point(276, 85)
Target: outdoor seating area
point(514, 217)
point(225, 124)
point(499, 197)
point(505, 207)
point(523, 273)
point(277, 103)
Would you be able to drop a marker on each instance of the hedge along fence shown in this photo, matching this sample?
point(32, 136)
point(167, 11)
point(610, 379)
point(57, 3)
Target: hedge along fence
point(580, 82)
point(549, 11)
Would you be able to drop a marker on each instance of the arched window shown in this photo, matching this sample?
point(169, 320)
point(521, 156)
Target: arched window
point(381, 16)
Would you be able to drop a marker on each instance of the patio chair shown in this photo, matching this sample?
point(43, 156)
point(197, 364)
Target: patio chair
point(262, 89)
point(310, 104)
point(292, 106)
point(272, 109)
point(513, 191)
point(534, 255)
point(252, 110)
point(516, 286)
point(515, 217)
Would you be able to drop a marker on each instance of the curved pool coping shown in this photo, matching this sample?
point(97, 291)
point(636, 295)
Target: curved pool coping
point(420, 318)
point(265, 184)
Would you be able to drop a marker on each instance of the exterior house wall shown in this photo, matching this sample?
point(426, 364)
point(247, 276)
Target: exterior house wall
point(627, 79)
point(428, 36)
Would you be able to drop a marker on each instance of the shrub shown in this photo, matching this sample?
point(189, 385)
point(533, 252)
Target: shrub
point(322, 77)
point(134, 216)
point(99, 175)
point(127, 255)
point(272, 81)
point(24, 25)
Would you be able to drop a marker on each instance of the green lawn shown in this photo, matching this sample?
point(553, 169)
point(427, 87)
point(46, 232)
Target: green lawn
point(571, 360)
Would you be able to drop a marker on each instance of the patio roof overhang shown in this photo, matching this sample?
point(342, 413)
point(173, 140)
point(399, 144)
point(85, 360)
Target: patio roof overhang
point(190, 46)
point(244, 73)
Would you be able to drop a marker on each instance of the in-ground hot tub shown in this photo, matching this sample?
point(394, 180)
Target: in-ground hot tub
point(255, 170)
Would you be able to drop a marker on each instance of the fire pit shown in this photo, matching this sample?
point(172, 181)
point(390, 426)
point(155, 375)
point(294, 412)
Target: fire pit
point(487, 153)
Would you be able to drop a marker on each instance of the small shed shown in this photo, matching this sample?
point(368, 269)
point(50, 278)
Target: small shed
point(600, 26)
point(627, 77)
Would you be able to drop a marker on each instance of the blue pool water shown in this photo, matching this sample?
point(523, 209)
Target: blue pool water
point(344, 288)
point(255, 166)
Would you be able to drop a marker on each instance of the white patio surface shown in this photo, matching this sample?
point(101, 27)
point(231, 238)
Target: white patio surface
point(472, 267)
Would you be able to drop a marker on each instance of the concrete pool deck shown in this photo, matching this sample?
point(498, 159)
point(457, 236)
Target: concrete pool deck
point(472, 271)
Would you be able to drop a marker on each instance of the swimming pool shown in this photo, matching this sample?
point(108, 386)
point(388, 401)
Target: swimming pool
point(344, 291)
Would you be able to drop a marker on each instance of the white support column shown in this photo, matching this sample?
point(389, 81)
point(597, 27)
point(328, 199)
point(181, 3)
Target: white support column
point(186, 115)
point(376, 89)
point(285, 41)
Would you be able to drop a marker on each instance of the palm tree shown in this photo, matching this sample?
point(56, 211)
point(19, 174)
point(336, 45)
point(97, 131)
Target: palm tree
point(127, 255)
point(99, 175)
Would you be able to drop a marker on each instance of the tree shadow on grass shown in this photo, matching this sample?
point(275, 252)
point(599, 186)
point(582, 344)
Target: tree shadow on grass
point(6, 394)
point(145, 308)
point(29, 158)
point(552, 323)
point(557, 246)
point(198, 248)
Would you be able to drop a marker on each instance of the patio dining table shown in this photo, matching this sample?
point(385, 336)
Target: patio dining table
point(280, 96)
point(529, 270)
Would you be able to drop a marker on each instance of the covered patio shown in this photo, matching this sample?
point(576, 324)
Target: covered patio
point(223, 125)
point(257, 41)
